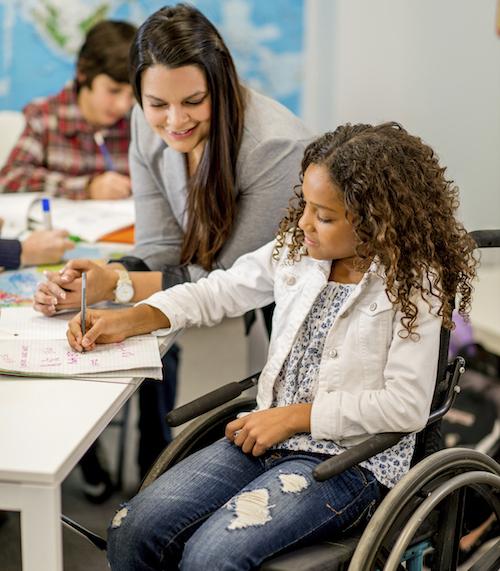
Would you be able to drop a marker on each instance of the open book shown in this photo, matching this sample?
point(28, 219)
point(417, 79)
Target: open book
point(90, 220)
point(36, 346)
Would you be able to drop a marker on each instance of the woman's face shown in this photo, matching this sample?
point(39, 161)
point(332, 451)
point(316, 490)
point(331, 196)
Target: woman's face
point(177, 106)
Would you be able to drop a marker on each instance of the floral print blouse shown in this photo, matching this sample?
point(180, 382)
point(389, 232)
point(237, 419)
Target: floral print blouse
point(298, 379)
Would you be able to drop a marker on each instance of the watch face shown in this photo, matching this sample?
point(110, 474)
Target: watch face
point(124, 292)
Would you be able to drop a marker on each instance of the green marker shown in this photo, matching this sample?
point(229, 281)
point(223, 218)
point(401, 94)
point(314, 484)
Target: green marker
point(75, 239)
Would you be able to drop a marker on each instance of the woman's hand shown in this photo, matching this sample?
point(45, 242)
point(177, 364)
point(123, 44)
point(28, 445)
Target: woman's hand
point(113, 325)
point(62, 290)
point(258, 431)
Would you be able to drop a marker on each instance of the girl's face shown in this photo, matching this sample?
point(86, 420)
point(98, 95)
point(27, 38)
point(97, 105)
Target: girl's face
point(105, 102)
point(177, 106)
point(328, 234)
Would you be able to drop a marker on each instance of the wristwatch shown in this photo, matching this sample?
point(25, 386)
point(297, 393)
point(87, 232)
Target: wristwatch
point(124, 291)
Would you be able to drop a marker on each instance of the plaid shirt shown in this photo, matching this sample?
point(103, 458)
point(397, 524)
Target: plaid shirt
point(56, 153)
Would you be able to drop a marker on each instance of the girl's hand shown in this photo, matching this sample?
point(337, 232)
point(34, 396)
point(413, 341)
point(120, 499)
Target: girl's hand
point(113, 325)
point(102, 326)
point(258, 431)
point(62, 290)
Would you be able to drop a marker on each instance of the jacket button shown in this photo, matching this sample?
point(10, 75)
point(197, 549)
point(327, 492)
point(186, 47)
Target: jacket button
point(373, 306)
point(332, 353)
point(290, 280)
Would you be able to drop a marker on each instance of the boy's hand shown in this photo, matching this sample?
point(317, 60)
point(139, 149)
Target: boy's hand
point(109, 185)
point(258, 431)
point(62, 290)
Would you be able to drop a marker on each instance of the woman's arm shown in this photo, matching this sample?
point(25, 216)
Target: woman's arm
point(62, 290)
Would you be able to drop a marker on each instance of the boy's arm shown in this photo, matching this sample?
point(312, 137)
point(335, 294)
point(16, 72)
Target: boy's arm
point(26, 170)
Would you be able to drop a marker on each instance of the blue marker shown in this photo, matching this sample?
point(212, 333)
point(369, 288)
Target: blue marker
point(47, 217)
point(99, 141)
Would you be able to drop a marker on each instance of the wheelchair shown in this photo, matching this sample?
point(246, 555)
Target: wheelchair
point(423, 515)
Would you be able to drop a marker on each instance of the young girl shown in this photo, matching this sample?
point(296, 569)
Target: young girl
point(362, 272)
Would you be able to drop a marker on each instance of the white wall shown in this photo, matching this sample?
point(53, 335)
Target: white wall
point(433, 65)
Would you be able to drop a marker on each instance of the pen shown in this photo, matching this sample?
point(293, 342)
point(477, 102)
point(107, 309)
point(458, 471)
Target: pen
point(47, 217)
point(99, 141)
point(84, 304)
point(75, 239)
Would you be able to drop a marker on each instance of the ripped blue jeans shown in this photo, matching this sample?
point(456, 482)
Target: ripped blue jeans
point(222, 509)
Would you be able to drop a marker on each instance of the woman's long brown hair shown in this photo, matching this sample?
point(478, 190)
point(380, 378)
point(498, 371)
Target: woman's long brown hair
point(403, 213)
point(178, 36)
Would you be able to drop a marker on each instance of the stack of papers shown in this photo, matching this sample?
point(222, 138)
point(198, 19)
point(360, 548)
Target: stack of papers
point(36, 346)
point(90, 220)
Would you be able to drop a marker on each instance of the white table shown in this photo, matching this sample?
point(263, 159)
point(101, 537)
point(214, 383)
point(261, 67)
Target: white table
point(45, 428)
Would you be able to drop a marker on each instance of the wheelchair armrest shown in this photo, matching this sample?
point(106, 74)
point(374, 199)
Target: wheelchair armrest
point(210, 401)
point(380, 442)
point(352, 456)
point(454, 371)
point(486, 238)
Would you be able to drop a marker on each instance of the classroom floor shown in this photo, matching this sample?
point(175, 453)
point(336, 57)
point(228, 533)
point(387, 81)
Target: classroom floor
point(208, 359)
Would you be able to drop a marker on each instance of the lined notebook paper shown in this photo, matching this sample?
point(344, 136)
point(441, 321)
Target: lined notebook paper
point(34, 345)
point(55, 358)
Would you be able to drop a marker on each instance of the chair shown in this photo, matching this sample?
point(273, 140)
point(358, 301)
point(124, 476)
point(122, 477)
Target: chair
point(11, 126)
point(422, 513)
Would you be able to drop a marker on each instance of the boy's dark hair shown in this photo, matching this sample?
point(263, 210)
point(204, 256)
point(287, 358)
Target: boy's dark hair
point(105, 50)
point(177, 36)
point(402, 209)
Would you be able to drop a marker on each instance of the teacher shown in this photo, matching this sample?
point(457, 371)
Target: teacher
point(213, 165)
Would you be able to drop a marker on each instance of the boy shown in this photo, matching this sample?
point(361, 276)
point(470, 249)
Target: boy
point(75, 143)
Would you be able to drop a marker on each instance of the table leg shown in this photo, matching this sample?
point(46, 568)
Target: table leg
point(41, 530)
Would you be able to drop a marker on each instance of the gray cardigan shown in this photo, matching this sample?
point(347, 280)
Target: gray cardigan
point(268, 168)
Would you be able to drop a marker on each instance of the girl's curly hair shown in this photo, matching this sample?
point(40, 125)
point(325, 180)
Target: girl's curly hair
point(403, 213)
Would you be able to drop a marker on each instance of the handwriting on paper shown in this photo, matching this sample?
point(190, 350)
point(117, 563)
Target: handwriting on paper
point(32, 356)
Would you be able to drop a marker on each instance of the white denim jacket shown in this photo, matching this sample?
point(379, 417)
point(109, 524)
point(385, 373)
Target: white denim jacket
point(371, 380)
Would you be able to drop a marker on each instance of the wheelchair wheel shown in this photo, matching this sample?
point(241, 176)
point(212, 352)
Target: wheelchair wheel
point(199, 433)
point(434, 487)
